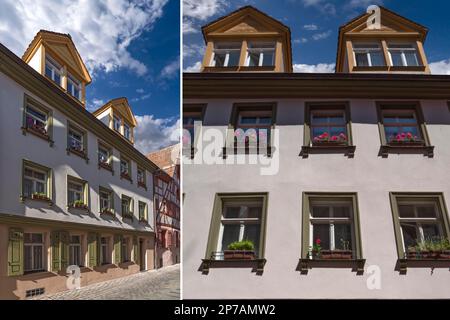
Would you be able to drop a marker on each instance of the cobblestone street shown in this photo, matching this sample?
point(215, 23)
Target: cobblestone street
point(152, 285)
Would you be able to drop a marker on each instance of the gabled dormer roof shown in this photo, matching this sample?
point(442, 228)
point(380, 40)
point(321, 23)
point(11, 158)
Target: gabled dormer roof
point(393, 25)
point(60, 46)
point(121, 106)
point(248, 21)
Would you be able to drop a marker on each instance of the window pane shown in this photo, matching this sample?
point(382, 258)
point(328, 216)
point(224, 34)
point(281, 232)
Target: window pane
point(251, 232)
point(411, 58)
point(37, 256)
point(343, 236)
point(242, 212)
point(36, 238)
point(253, 59)
point(397, 59)
point(426, 211)
point(268, 58)
point(336, 131)
point(248, 120)
point(321, 212)
point(406, 211)
point(265, 120)
point(377, 59)
point(40, 187)
point(230, 235)
point(317, 131)
point(361, 59)
point(322, 232)
point(219, 59)
point(27, 187)
point(431, 232)
point(409, 231)
point(48, 71)
point(341, 211)
point(28, 258)
point(233, 58)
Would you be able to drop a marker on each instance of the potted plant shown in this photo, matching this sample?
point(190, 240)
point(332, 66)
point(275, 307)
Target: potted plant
point(405, 138)
point(107, 211)
point(431, 249)
point(105, 165)
point(316, 249)
point(240, 250)
point(326, 139)
point(339, 254)
point(40, 196)
point(79, 204)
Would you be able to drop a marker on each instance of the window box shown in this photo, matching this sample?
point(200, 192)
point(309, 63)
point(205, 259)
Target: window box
point(142, 184)
point(406, 143)
point(332, 254)
point(125, 176)
point(127, 216)
point(107, 211)
point(79, 205)
point(40, 197)
point(428, 255)
point(106, 166)
point(79, 152)
point(143, 220)
point(239, 255)
point(39, 131)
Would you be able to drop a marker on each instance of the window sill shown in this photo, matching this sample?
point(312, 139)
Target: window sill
point(48, 201)
point(357, 265)
point(415, 68)
point(38, 134)
point(403, 264)
point(81, 154)
point(267, 151)
point(348, 151)
point(427, 151)
point(143, 221)
point(126, 177)
point(377, 68)
point(221, 69)
point(78, 208)
point(106, 166)
point(142, 185)
point(128, 216)
point(109, 213)
point(257, 265)
point(258, 68)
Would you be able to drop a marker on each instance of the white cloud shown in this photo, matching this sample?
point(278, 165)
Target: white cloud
point(152, 133)
point(321, 5)
point(140, 90)
point(102, 30)
point(95, 104)
point(202, 9)
point(189, 27)
point(142, 97)
point(193, 50)
point(311, 27)
point(301, 40)
point(314, 68)
point(322, 35)
point(440, 67)
point(171, 70)
point(194, 68)
point(364, 3)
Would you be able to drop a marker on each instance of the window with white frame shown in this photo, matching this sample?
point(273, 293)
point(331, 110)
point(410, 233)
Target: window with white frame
point(76, 139)
point(368, 55)
point(331, 224)
point(142, 211)
point(127, 131)
point(105, 257)
point(127, 204)
point(240, 220)
point(226, 55)
point(73, 87)
point(53, 70)
point(260, 54)
point(117, 123)
point(141, 176)
point(75, 250)
point(33, 252)
point(404, 55)
point(36, 119)
point(76, 192)
point(104, 154)
point(106, 200)
point(125, 167)
point(35, 181)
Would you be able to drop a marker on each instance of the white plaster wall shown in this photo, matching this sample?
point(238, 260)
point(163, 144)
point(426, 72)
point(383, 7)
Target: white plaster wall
point(35, 62)
point(15, 146)
point(104, 117)
point(371, 176)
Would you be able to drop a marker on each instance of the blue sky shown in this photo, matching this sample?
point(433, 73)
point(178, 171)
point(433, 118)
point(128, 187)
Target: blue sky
point(131, 49)
point(314, 26)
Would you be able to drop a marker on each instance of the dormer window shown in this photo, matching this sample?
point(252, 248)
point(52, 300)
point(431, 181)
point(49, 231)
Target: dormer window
point(53, 70)
point(368, 55)
point(117, 123)
point(226, 55)
point(127, 131)
point(73, 87)
point(403, 55)
point(260, 55)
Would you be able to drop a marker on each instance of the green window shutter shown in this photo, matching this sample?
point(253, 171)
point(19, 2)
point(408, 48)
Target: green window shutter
point(135, 250)
point(55, 239)
point(117, 249)
point(92, 249)
point(64, 248)
point(15, 252)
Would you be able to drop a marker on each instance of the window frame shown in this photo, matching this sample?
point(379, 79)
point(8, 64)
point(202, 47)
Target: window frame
point(190, 149)
point(414, 48)
point(252, 47)
point(55, 68)
point(396, 197)
point(83, 133)
point(128, 174)
point(85, 191)
point(225, 51)
point(32, 245)
point(108, 165)
point(49, 173)
point(130, 213)
point(119, 121)
point(29, 101)
point(110, 192)
point(215, 225)
point(76, 84)
point(145, 217)
point(141, 183)
point(308, 197)
point(368, 52)
point(71, 249)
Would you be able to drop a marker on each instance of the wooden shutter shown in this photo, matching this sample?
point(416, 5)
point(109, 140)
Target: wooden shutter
point(64, 249)
point(117, 249)
point(135, 250)
point(56, 250)
point(15, 252)
point(93, 243)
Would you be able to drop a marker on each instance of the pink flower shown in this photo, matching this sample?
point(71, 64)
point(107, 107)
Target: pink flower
point(334, 138)
point(403, 135)
point(316, 139)
point(325, 134)
point(343, 136)
point(318, 241)
point(409, 135)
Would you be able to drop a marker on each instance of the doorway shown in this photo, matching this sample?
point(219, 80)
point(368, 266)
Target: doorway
point(141, 255)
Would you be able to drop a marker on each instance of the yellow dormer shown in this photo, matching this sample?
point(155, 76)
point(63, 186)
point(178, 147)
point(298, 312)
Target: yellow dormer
point(55, 56)
point(247, 40)
point(382, 42)
point(118, 116)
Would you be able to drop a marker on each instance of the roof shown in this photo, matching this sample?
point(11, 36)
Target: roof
point(118, 102)
point(164, 158)
point(49, 37)
point(10, 61)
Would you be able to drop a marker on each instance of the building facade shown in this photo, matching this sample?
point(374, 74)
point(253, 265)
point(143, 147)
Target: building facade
point(74, 190)
point(167, 205)
point(315, 185)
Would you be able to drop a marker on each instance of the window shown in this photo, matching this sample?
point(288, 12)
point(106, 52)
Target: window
point(368, 55)
point(192, 115)
point(127, 131)
point(125, 253)
point(420, 221)
point(237, 217)
point(141, 177)
point(74, 87)
point(331, 227)
point(127, 207)
point(53, 70)
point(75, 251)
point(125, 171)
point(36, 181)
point(226, 55)
point(329, 126)
point(76, 141)
point(104, 155)
point(402, 124)
point(404, 55)
point(259, 121)
point(33, 252)
point(76, 193)
point(36, 119)
point(142, 211)
point(105, 257)
point(106, 200)
point(117, 123)
point(260, 55)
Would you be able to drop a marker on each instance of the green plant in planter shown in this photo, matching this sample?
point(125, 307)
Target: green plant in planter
point(432, 245)
point(78, 203)
point(245, 245)
point(345, 244)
